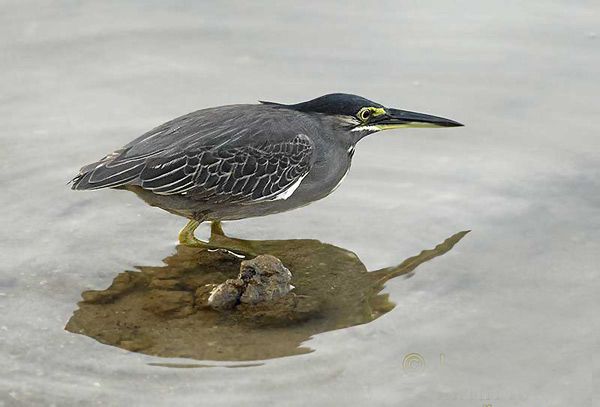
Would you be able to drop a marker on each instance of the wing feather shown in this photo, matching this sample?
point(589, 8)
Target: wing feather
point(240, 153)
point(241, 174)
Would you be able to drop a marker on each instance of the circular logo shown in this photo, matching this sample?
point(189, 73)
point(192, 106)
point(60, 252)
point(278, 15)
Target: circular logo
point(413, 362)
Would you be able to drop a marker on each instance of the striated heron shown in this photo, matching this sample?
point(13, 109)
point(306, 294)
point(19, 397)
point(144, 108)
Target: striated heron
point(239, 161)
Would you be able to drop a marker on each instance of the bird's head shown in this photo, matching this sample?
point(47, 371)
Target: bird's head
point(362, 116)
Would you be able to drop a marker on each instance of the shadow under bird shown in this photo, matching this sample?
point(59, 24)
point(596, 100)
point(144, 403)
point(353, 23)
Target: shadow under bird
point(240, 161)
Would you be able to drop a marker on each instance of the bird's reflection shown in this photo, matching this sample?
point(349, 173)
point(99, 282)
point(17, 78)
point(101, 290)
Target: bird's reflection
point(155, 311)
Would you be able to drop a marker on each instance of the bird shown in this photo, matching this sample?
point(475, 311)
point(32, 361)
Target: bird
point(246, 160)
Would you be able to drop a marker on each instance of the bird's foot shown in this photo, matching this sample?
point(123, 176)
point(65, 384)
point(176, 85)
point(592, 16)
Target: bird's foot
point(216, 228)
point(186, 235)
point(201, 244)
point(218, 241)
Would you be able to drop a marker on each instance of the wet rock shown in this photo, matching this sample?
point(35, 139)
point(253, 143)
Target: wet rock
point(266, 279)
point(202, 294)
point(227, 295)
point(262, 279)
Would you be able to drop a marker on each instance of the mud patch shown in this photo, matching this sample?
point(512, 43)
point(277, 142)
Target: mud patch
point(165, 311)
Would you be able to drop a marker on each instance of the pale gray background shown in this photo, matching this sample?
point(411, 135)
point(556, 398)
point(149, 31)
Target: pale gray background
point(509, 309)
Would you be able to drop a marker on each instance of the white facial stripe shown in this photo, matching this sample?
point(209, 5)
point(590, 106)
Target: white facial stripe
point(366, 128)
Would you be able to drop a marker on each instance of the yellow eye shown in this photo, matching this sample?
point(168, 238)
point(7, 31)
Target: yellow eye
point(364, 114)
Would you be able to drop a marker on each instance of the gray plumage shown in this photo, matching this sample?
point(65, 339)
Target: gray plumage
point(239, 161)
point(240, 156)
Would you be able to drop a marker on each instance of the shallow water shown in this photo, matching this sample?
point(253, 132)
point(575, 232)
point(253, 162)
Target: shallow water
point(165, 311)
point(505, 318)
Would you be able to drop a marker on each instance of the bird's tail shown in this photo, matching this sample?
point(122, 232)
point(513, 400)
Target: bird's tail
point(112, 171)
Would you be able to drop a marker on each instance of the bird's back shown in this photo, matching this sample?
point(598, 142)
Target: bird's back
point(206, 153)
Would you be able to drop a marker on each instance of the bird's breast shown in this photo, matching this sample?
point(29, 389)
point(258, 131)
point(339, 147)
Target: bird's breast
point(326, 174)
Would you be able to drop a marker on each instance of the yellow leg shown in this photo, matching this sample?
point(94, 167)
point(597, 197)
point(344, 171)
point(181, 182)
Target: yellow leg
point(218, 240)
point(216, 228)
point(186, 236)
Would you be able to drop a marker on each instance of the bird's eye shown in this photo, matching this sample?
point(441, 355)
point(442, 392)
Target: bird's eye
point(364, 114)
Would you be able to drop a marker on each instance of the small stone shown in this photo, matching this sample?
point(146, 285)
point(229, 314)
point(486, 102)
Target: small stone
point(226, 295)
point(266, 279)
point(262, 279)
point(202, 294)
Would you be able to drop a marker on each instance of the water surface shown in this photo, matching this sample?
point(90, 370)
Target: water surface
point(164, 311)
point(505, 318)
